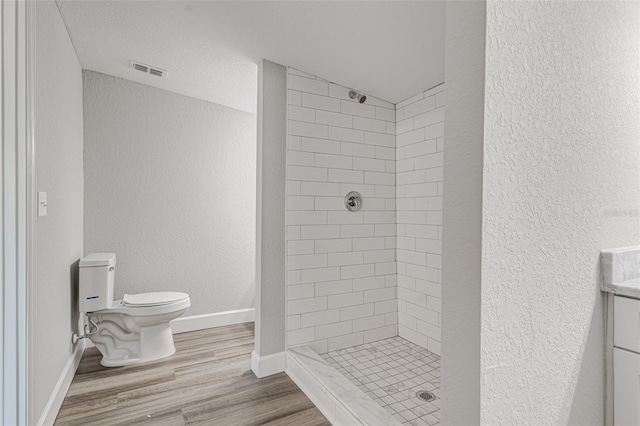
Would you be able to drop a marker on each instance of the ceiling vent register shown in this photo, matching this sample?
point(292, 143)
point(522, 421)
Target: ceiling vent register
point(148, 69)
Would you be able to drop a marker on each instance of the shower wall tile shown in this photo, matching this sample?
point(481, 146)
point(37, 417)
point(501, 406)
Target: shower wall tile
point(341, 280)
point(419, 170)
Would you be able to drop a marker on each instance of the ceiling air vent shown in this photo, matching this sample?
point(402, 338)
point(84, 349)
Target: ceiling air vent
point(148, 69)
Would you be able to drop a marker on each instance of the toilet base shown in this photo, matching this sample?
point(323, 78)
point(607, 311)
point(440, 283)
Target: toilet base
point(121, 346)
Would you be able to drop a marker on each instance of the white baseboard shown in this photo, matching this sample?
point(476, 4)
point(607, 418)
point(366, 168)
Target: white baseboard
point(50, 412)
point(219, 319)
point(267, 365)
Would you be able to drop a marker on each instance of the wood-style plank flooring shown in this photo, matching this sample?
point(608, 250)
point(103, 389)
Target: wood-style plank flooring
point(208, 381)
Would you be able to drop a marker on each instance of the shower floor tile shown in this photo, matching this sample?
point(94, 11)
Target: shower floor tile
point(391, 372)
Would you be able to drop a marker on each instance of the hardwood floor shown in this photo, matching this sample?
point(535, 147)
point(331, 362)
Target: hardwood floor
point(208, 381)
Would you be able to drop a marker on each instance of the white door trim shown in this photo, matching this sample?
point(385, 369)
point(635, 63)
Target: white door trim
point(16, 167)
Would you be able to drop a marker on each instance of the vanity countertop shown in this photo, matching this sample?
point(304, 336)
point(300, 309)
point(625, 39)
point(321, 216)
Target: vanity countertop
point(621, 271)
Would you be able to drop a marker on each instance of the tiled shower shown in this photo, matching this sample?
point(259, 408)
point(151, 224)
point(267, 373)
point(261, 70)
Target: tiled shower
point(357, 279)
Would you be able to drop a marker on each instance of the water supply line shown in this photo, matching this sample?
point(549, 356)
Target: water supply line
point(87, 329)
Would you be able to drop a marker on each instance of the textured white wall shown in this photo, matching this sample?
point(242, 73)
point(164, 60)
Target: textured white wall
point(58, 136)
point(419, 190)
point(561, 181)
point(170, 188)
point(341, 281)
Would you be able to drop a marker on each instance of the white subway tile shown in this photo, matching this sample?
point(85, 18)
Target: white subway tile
point(379, 139)
point(334, 119)
point(319, 188)
point(320, 145)
point(319, 318)
point(413, 336)
point(320, 275)
point(434, 131)
point(385, 306)
point(385, 268)
point(404, 126)
point(302, 291)
point(357, 311)
point(369, 124)
point(345, 135)
point(300, 203)
point(361, 110)
point(385, 153)
point(429, 288)
point(368, 323)
point(413, 257)
point(347, 299)
point(345, 217)
point(385, 230)
point(369, 164)
point(374, 256)
point(293, 277)
point(341, 259)
point(440, 99)
point(429, 118)
point(306, 261)
point(419, 107)
point(294, 97)
point(434, 261)
point(429, 161)
point(345, 176)
point(434, 218)
point(367, 191)
point(357, 231)
point(311, 130)
point(391, 128)
point(329, 203)
point(369, 283)
point(422, 313)
point(301, 114)
point(385, 191)
point(299, 158)
point(332, 330)
point(357, 271)
point(316, 174)
point(420, 148)
point(300, 247)
point(293, 232)
point(379, 217)
point(380, 333)
point(374, 243)
point(434, 304)
point(379, 178)
point(303, 217)
point(333, 287)
point(421, 190)
point(303, 306)
point(299, 336)
point(428, 246)
point(385, 114)
point(333, 246)
point(411, 137)
point(348, 340)
point(435, 174)
point(319, 232)
point(357, 150)
point(294, 143)
point(333, 161)
point(293, 322)
point(308, 85)
point(320, 102)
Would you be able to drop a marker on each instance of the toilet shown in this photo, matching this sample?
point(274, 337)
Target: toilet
point(134, 329)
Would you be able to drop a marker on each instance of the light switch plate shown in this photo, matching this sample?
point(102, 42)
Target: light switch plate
point(42, 204)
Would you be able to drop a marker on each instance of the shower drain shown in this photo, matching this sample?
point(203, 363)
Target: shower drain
point(426, 396)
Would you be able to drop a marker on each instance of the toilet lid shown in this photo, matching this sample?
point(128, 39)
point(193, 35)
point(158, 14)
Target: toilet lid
point(157, 298)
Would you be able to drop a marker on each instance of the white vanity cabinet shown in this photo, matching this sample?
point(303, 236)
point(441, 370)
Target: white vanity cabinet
point(626, 361)
point(620, 269)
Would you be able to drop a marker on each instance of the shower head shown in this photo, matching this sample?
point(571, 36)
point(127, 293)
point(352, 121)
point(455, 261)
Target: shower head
point(355, 95)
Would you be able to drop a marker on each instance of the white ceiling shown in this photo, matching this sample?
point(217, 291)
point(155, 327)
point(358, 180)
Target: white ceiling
point(389, 49)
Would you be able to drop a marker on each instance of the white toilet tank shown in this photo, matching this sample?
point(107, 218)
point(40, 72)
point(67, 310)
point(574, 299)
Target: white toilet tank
point(97, 275)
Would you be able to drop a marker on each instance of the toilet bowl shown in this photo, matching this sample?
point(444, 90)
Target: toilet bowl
point(134, 329)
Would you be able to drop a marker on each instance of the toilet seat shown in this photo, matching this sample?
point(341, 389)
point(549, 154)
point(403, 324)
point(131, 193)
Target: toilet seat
point(156, 298)
point(147, 304)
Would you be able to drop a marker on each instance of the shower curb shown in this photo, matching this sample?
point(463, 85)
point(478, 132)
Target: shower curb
point(339, 400)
